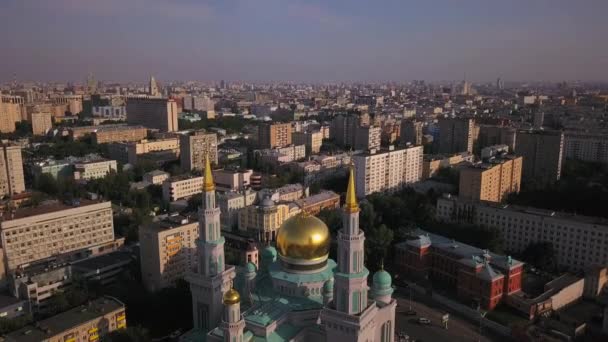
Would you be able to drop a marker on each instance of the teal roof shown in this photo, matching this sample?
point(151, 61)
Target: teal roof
point(251, 267)
point(277, 272)
point(382, 279)
point(269, 252)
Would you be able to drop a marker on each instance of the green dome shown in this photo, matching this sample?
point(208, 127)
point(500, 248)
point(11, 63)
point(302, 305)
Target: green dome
point(251, 267)
point(382, 280)
point(269, 253)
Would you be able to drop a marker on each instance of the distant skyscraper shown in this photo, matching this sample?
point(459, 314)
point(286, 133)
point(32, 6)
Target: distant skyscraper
point(91, 84)
point(500, 85)
point(153, 87)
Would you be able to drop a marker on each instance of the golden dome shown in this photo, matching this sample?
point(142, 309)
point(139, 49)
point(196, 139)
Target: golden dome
point(231, 297)
point(303, 237)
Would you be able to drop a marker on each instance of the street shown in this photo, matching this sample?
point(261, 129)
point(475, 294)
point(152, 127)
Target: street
point(459, 329)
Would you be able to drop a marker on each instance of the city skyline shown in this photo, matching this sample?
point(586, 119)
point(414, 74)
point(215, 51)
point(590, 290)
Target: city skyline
point(309, 41)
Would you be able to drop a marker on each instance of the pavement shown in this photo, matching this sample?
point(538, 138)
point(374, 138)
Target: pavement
point(459, 329)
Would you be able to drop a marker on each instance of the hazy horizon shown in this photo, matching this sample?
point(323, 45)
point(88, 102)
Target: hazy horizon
point(309, 41)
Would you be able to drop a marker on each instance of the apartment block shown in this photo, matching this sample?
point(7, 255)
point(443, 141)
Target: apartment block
point(342, 129)
point(230, 203)
point(411, 132)
point(91, 322)
point(152, 112)
point(264, 219)
point(131, 152)
point(457, 135)
point(41, 123)
point(389, 170)
point(543, 156)
point(433, 162)
point(312, 141)
point(578, 241)
point(586, 146)
point(94, 169)
point(181, 187)
point(490, 135)
point(274, 135)
point(169, 248)
point(194, 147)
point(54, 230)
point(476, 274)
point(104, 135)
point(156, 177)
point(367, 138)
point(491, 181)
point(10, 114)
point(11, 170)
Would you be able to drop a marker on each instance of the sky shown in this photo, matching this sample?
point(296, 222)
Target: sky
point(304, 40)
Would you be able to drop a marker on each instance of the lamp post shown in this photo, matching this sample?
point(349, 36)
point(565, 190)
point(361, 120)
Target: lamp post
point(482, 314)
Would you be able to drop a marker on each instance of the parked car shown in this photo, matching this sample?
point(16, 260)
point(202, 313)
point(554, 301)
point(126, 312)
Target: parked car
point(410, 313)
point(424, 321)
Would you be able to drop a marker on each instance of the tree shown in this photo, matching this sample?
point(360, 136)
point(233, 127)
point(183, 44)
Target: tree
point(378, 245)
point(130, 334)
point(541, 255)
point(47, 184)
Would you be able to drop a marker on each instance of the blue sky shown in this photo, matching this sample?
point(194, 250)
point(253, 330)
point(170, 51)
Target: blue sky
point(304, 40)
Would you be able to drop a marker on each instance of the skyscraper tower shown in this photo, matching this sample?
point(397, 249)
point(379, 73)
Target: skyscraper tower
point(153, 87)
point(213, 278)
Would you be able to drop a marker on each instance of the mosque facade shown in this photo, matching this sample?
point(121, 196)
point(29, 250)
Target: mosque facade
point(294, 291)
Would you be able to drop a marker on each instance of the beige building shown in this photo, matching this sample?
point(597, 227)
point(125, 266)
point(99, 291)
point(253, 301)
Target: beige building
point(159, 113)
point(232, 180)
point(432, 163)
point(194, 147)
point(41, 123)
point(169, 250)
point(274, 135)
point(129, 152)
point(54, 230)
point(543, 155)
point(156, 177)
point(578, 241)
point(94, 169)
point(179, 187)
point(586, 146)
point(492, 181)
point(10, 114)
point(11, 171)
point(104, 135)
point(411, 132)
point(312, 140)
point(91, 322)
point(387, 170)
point(457, 135)
point(596, 277)
point(490, 135)
point(230, 203)
point(265, 218)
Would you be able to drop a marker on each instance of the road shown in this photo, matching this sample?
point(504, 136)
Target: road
point(459, 329)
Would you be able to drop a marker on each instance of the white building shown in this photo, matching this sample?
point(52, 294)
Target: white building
point(94, 169)
point(179, 187)
point(388, 170)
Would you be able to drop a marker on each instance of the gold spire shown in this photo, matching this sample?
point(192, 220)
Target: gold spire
point(208, 184)
point(351, 204)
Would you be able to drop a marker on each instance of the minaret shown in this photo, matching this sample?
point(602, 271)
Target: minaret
point(153, 87)
point(233, 323)
point(350, 288)
point(213, 278)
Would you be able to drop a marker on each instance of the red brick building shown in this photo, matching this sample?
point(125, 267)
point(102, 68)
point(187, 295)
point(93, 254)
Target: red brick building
point(476, 274)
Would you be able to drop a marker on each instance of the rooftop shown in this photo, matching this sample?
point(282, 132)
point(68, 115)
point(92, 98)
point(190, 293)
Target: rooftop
point(67, 320)
point(169, 222)
point(49, 207)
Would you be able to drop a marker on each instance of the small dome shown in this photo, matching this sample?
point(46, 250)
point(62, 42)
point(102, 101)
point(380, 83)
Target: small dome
point(303, 237)
point(251, 267)
point(269, 253)
point(382, 280)
point(267, 202)
point(232, 297)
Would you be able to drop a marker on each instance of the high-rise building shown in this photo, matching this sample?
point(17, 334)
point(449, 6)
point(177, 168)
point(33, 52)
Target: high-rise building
point(457, 135)
point(213, 277)
point(490, 135)
point(41, 123)
point(343, 129)
point(10, 114)
point(411, 132)
point(312, 141)
point(586, 146)
point(387, 170)
point(153, 87)
point(491, 181)
point(159, 113)
point(11, 171)
point(194, 146)
point(168, 247)
point(542, 152)
point(274, 135)
point(367, 138)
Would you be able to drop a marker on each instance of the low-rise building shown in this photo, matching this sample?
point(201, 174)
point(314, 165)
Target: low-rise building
point(120, 133)
point(433, 162)
point(132, 152)
point(156, 177)
point(230, 203)
point(312, 141)
point(232, 180)
point(90, 322)
point(314, 204)
point(176, 188)
point(169, 249)
point(478, 275)
point(94, 169)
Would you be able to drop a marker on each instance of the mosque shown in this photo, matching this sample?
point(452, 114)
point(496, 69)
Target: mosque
point(291, 292)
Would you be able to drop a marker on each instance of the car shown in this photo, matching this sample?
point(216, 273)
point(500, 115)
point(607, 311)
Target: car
point(424, 321)
point(410, 313)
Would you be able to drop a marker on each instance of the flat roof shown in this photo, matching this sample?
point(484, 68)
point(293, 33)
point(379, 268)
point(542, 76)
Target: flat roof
point(66, 320)
point(169, 222)
point(48, 207)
